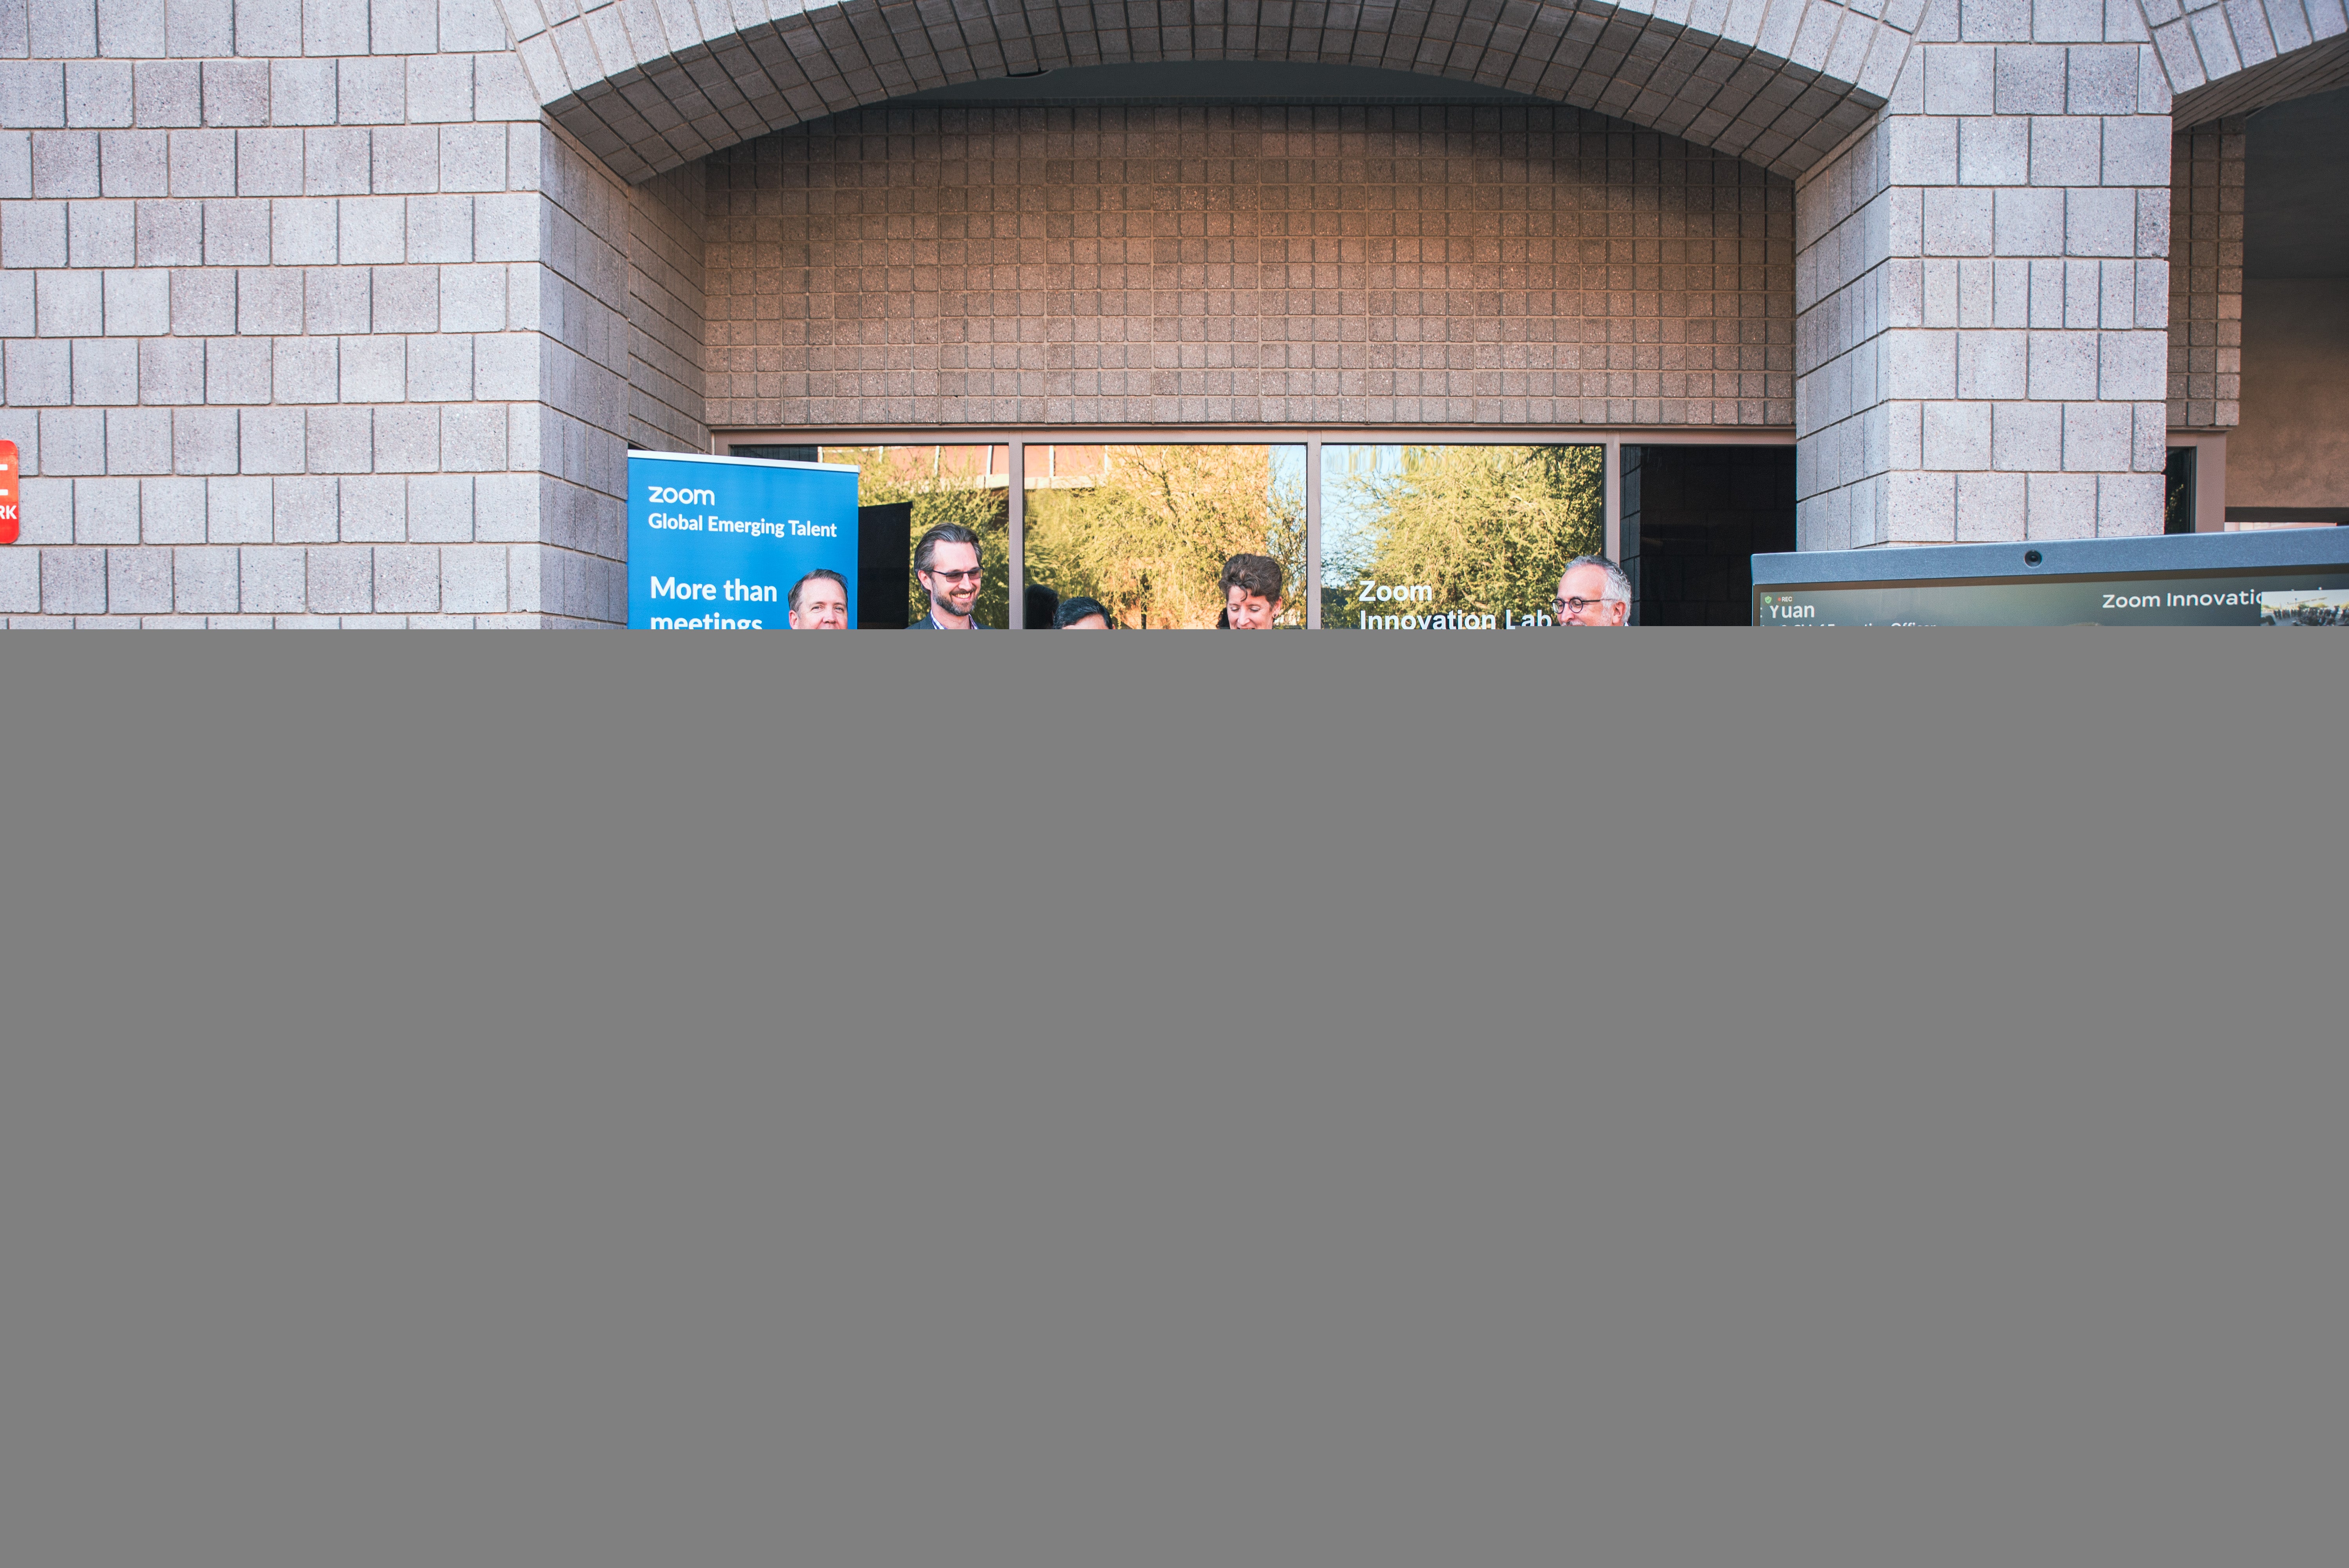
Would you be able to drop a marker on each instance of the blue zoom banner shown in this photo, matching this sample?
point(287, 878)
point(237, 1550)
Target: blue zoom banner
point(715, 544)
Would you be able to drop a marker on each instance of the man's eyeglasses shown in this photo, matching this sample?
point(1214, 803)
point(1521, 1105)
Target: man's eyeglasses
point(969, 577)
point(1559, 606)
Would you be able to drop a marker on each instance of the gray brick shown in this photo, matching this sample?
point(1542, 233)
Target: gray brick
point(65, 163)
point(205, 440)
point(372, 92)
point(473, 437)
point(137, 302)
point(507, 227)
point(473, 299)
point(308, 511)
point(203, 163)
point(408, 299)
point(106, 370)
point(106, 512)
point(170, 234)
point(16, 165)
point(374, 229)
point(2030, 223)
point(1921, 508)
point(338, 160)
point(1921, 150)
point(20, 581)
point(171, 370)
point(17, 291)
point(2100, 223)
point(2098, 436)
point(272, 581)
point(72, 443)
point(2000, 20)
point(127, 28)
point(342, 581)
point(1957, 435)
point(333, 28)
point(2031, 81)
point(203, 302)
point(2067, 21)
point(269, 27)
point(2063, 506)
point(406, 160)
point(440, 89)
point(73, 582)
point(236, 92)
point(473, 158)
point(2128, 503)
point(337, 299)
point(2153, 223)
point(269, 162)
point(501, 91)
point(303, 231)
point(2132, 365)
point(2136, 150)
point(135, 162)
point(2064, 366)
point(408, 440)
point(472, 24)
point(305, 370)
point(374, 508)
point(98, 92)
point(40, 373)
point(1992, 152)
point(236, 231)
point(269, 302)
point(473, 579)
point(2101, 80)
point(441, 508)
point(506, 366)
point(48, 513)
point(199, 28)
point(270, 440)
point(1957, 222)
point(33, 233)
point(2027, 436)
point(69, 304)
point(439, 369)
point(2082, 297)
point(203, 580)
point(101, 233)
point(167, 93)
point(408, 578)
point(1959, 81)
point(238, 511)
point(32, 93)
point(1991, 506)
point(238, 370)
point(406, 27)
point(2065, 152)
point(342, 439)
point(302, 92)
point(441, 229)
point(139, 582)
point(171, 511)
point(374, 369)
point(138, 441)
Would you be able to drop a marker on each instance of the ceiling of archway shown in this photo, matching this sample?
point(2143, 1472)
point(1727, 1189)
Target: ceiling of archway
point(649, 85)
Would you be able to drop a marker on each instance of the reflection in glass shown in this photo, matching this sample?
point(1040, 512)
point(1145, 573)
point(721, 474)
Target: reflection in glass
point(964, 484)
point(1146, 530)
point(1454, 536)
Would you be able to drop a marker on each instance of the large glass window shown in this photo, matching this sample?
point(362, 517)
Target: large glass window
point(1465, 537)
point(1151, 534)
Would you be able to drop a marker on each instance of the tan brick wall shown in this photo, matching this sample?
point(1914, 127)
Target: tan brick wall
point(946, 265)
point(2205, 275)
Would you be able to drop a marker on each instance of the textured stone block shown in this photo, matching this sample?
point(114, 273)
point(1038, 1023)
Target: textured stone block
point(508, 227)
point(407, 299)
point(138, 441)
point(2136, 150)
point(169, 93)
point(473, 158)
point(106, 512)
point(333, 28)
point(170, 233)
point(172, 510)
point(135, 162)
point(32, 93)
point(305, 370)
point(372, 92)
point(1991, 506)
point(441, 229)
point(374, 508)
point(69, 304)
point(441, 368)
point(48, 514)
point(2129, 505)
point(73, 582)
point(342, 581)
point(204, 301)
point(341, 439)
point(440, 89)
point(198, 28)
point(407, 439)
point(236, 232)
point(302, 92)
point(2063, 506)
point(205, 440)
point(1992, 150)
point(1959, 81)
point(305, 510)
point(236, 93)
point(268, 301)
point(441, 508)
point(98, 92)
point(2029, 222)
point(39, 372)
point(139, 582)
point(269, 162)
point(203, 162)
point(15, 165)
point(273, 580)
point(2133, 365)
point(337, 299)
point(106, 370)
point(506, 366)
point(2025, 436)
point(408, 578)
point(2101, 223)
point(473, 579)
point(65, 163)
point(373, 229)
point(473, 437)
point(406, 160)
point(2099, 436)
point(270, 440)
point(101, 233)
point(1957, 435)
point(20, 581)
point(2065, 152)
point(33, 233)
point(2063, 365)
point(304, 231)
point(473, 299)
point(203, 580)
point(1958, 222)
point(137, 302)
point(173, 370)
point(238, 511)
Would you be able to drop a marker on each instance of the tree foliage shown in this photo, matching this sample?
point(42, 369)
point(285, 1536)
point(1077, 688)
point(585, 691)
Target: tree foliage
point(1150, 536)
point(1487, 528)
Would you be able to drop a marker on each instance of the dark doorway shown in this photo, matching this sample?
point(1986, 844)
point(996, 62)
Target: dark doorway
point(1694, 518)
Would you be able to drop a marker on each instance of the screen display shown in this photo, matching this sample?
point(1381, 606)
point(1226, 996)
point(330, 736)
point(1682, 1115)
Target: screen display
point(2284, 596)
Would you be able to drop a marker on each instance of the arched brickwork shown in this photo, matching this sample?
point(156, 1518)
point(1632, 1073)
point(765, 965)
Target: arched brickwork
point(650, 85)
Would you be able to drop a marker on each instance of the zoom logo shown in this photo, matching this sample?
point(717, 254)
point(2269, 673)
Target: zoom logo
point(11, 493)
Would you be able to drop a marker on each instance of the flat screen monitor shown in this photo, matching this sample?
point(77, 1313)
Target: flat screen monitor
point(2296, 576)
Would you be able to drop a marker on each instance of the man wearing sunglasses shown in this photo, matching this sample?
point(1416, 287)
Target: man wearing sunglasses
point(946, 563)
point(1593, 591)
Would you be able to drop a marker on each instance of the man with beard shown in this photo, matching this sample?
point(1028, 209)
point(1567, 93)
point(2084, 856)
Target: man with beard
point(820, 601)
point(946, 563)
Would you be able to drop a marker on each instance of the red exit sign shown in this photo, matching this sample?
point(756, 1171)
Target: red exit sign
point(11, 492)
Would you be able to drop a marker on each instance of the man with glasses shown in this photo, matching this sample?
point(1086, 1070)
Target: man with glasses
point(1593, 591)
point(946, 563)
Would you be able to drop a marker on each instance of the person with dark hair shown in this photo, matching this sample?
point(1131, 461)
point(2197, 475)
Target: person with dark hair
point(946, 563)
point(1081, 615)
point(1043, 607)
point(818, 601)
point(1252, 592)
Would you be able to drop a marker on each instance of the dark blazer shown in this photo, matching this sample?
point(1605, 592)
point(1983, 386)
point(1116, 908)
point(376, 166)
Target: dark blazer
point(929, 622)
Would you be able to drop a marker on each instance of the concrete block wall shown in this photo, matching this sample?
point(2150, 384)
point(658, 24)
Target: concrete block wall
point(1983, 288)
point(959, 266)
point(2206, 275)
point(668, 310)
point(288, 333)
